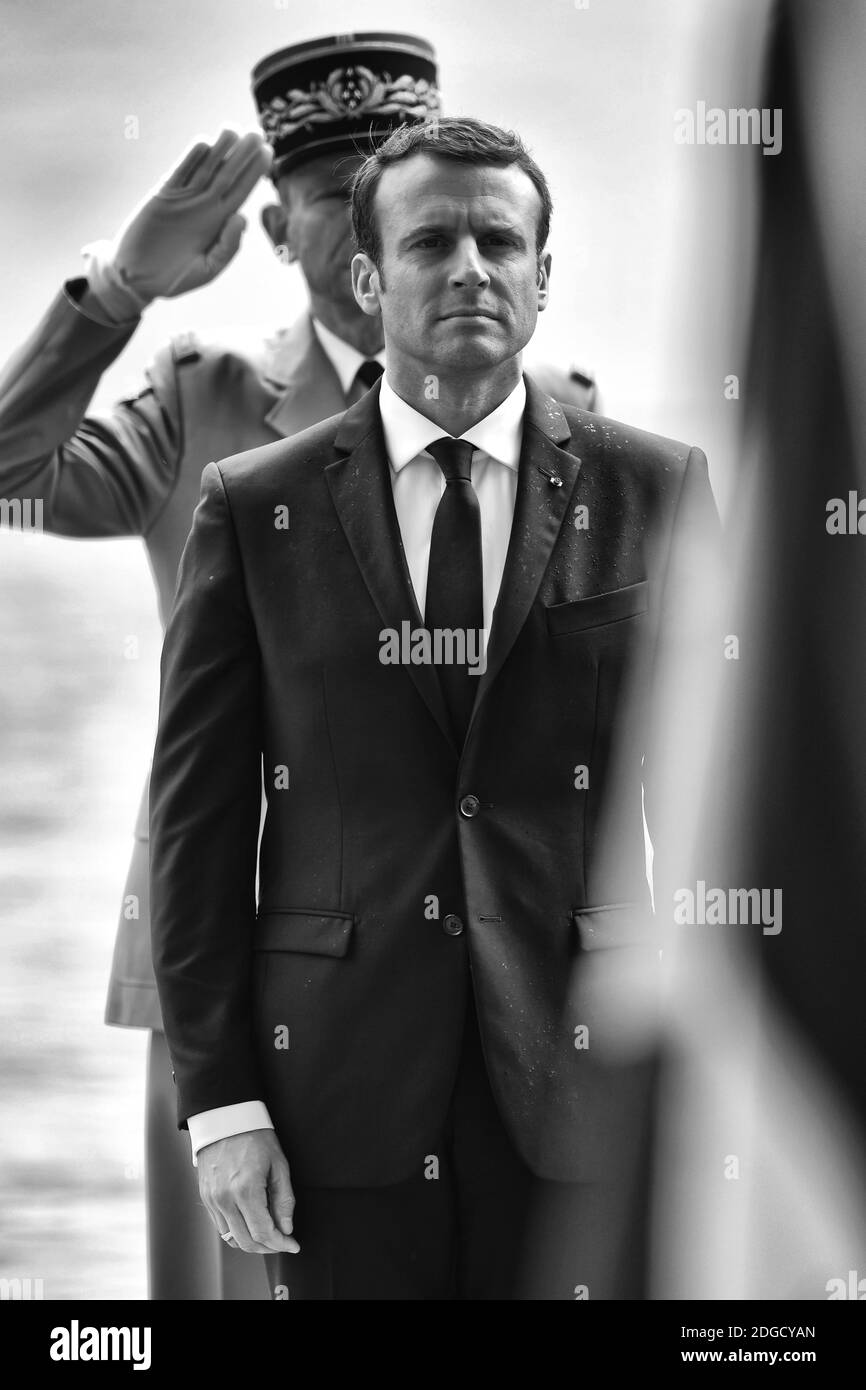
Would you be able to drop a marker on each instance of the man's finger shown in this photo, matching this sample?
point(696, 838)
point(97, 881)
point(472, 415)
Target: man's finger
point(228, 1217)
point(203, 176)
point(221, 1224)
point(242, 168)
point(253, 1229)
point(187, 166)
point(214, 1213)
point(253, 1209)
point(281, 1198)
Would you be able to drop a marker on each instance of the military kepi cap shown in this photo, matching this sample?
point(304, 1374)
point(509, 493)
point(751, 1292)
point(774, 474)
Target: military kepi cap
point(342, 94)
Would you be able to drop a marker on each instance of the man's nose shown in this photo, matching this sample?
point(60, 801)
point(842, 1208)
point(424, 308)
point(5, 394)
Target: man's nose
point(468, 270)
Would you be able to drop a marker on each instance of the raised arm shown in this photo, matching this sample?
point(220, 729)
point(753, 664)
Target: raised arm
point(109, 475)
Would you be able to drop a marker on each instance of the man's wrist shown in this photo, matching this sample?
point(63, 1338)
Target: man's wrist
point(212, 1125)
point(109, 298)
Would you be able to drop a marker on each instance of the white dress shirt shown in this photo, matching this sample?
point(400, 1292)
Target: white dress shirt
point(343, 357)
point(418, 483)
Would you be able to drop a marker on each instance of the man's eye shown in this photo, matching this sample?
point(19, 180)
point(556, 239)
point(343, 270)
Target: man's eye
point(429, 241)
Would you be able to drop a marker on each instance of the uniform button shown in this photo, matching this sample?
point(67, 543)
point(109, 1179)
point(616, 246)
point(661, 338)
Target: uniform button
point(452, 925)
point(469, 806)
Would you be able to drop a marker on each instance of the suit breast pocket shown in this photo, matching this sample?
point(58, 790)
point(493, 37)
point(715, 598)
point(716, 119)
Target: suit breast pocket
point(602, 610)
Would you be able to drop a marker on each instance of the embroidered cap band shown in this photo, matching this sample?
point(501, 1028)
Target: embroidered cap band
point(342, 94)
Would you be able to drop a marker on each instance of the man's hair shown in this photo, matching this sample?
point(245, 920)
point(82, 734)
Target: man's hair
point(460, 138)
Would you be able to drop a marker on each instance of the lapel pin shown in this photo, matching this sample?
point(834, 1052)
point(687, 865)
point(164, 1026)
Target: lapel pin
point(553, 478)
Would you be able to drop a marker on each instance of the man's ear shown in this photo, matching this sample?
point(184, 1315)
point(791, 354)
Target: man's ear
point(544, 264)
point(275, 221)
point(366, 284)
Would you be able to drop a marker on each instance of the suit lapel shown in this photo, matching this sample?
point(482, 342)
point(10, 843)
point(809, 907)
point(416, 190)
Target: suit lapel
point(539, 511)
point(362, 495)
point(311, 389)
point(361, 491)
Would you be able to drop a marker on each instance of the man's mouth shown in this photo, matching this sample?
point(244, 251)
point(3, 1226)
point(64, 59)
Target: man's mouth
point(476, 313)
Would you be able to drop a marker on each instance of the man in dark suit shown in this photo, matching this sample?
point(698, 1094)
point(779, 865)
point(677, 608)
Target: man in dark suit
point(420, 618)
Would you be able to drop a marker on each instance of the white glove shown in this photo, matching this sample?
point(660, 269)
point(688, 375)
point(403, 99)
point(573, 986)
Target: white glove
point(185, 232)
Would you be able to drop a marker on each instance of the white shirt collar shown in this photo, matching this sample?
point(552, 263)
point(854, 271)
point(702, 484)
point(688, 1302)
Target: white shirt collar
point(407, 432)
point(342, 356)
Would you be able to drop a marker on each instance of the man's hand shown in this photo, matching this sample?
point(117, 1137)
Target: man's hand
point(245, 1184)
point(188, 230)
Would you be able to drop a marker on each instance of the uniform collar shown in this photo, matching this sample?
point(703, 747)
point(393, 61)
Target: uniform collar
point(342, 356)
point(299, 368)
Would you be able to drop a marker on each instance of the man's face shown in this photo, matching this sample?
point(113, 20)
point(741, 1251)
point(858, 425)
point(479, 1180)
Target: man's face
point(316, 200)
point(459, 285)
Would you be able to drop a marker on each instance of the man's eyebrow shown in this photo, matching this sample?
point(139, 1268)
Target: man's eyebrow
point(426, 229)
point(442, 228)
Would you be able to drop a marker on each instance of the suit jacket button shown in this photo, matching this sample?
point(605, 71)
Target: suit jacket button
point(469, 806)
point(452, 925)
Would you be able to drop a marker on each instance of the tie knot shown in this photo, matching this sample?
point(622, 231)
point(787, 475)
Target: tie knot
point(369, 372)
point(454, 457)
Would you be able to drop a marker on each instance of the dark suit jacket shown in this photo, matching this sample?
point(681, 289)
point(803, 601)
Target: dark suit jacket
point(136, 471)
point(272, 652)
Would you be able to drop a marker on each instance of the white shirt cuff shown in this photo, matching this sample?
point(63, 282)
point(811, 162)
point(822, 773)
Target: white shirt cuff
point(211, 1125)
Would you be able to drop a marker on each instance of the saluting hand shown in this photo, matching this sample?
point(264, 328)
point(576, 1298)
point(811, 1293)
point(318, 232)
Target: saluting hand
point(186, 232)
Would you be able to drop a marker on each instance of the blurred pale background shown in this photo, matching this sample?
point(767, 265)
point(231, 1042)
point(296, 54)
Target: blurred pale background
point(652, 248)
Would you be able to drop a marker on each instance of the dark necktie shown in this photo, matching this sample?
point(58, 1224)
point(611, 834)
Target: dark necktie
point(369, 372)
point(455, 577)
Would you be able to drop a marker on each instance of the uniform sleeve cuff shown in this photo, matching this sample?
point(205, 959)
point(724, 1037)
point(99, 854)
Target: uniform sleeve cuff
point(211, 1125)
point(110, 299)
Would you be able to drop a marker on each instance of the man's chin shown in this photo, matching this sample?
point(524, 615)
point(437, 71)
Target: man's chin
point(476, 353)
